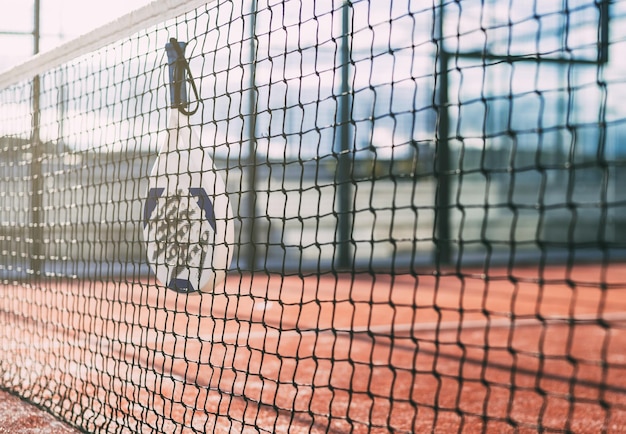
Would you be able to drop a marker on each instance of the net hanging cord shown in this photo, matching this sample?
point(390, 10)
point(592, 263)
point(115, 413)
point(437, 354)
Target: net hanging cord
point(179, 74)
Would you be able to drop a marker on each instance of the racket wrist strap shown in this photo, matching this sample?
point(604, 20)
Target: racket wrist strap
point(180, 75)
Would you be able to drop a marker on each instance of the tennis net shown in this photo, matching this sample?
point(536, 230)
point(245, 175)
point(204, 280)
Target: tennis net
point(425, 226)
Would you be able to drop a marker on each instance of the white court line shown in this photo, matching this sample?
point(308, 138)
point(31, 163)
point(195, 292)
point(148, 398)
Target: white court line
point(386, 330)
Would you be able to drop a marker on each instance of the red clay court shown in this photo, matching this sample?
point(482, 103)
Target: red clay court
point(508, 351)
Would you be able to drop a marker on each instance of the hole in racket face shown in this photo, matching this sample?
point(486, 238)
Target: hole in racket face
point(180, 230)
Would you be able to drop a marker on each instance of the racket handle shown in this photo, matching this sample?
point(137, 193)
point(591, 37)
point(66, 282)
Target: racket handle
point(178, 73)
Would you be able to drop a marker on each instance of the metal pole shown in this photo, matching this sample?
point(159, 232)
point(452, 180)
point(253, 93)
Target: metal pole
point(604, 35)
point(442, 173)
point(250, 254)
point(344, 187)
point(36, 206)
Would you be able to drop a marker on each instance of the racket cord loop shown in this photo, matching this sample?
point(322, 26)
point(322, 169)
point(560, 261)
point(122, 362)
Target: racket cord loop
point(182, 74)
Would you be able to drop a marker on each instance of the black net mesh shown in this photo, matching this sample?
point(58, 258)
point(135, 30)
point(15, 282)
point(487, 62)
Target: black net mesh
point(428, 228)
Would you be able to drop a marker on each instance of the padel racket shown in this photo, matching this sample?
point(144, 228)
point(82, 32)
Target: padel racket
point(188, 226)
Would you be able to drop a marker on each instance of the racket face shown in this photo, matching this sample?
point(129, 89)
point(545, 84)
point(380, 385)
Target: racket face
point(188, 224)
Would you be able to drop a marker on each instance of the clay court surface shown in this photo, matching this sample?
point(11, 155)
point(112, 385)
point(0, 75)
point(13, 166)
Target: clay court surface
point(507, 350)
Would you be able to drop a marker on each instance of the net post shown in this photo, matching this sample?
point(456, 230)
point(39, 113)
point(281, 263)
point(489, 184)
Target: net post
point(36, 186)
point(36, 172)
point(251, 199)
point(443, 254)
point(344, 188)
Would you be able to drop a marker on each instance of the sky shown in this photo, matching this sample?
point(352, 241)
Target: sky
point(60, 20)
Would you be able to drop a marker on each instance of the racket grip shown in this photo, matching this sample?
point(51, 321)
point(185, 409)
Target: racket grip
point(178, 74)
